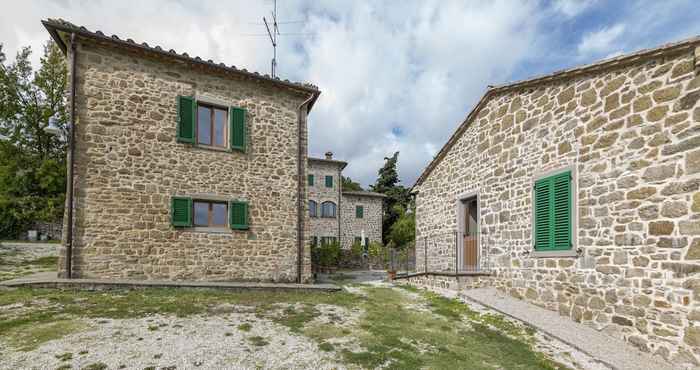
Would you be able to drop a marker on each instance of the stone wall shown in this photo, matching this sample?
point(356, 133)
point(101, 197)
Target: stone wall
point(632, 135)
point(129, 165)
point(320, 226)
point(370, 223)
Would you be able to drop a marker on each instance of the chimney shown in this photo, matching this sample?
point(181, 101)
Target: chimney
point(329, 155)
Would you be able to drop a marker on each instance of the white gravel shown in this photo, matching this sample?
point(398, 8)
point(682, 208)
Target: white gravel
point(186, 343)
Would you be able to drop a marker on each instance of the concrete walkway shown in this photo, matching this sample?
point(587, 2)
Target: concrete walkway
point(613, 352)
point(49, 280)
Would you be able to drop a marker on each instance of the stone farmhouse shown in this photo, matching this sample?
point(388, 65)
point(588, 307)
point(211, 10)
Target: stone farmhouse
point(579, 192)
point(335, 214)
point(183, 168)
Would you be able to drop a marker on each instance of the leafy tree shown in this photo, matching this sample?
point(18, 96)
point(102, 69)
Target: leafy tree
point(32, 162)
point(350, 185)
point(387, 183)
point(403, 231)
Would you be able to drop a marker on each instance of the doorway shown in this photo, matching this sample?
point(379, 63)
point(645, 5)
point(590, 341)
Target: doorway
point(469, 225)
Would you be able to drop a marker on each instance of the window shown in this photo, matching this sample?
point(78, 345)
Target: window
point(310, 179)
point(329, 181)
point(205, 124)
point(313, 208)
point(359, 211)
point(552, 212)
point(211, 125)
point(186, 212)
point(210, 214)
point(328, 209)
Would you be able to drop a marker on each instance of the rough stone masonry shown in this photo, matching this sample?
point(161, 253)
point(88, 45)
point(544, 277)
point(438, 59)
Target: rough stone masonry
point(630, 129)
point(128, 166)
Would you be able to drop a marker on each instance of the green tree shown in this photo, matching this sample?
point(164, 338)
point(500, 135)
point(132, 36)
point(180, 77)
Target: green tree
point(32, 162)
point(350, 185)
point(387, 183)
point(403, 231)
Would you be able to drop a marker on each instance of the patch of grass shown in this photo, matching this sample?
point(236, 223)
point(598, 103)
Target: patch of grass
point(296, 319)
point(65, 356)
point(64, 367)
point(45, 262)
point(245, 327)
point(30, 336)
point(326, 347)
point(258, 341)
point(153, 327)
point(96, 366)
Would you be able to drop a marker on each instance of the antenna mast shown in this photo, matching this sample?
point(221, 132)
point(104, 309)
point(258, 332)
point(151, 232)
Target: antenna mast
point(273, 36)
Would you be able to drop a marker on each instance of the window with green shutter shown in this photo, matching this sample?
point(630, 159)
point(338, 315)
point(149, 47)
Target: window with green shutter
point(552, 213)
point(238, 215)
point(186, 108)
point(310, 179)
point(237, 117)
point(329, 181)
point(359, 211)
point(181, 211)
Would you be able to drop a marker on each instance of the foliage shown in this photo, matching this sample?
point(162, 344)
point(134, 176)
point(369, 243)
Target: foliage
point(387, 183)
point(356, 250)
point(350, 185)
point(32, 162)
point(329, 254)
point(403, 231)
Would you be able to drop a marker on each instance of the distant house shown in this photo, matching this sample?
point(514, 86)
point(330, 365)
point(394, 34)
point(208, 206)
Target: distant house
point(579, 192)
point(347, 217)
point(184, 168)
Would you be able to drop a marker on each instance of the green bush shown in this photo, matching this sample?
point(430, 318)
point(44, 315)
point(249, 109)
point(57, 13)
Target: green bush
point(329, 254)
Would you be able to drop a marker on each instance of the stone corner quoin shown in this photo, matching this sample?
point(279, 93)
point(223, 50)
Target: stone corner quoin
point(631, 134)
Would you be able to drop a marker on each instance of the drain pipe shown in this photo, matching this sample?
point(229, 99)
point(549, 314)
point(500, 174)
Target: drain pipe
point(301, 123)
point(71, 156)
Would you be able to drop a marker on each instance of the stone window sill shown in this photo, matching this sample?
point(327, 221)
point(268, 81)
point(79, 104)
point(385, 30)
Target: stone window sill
point(554, 254)
point(217, 149)
point(211, 230)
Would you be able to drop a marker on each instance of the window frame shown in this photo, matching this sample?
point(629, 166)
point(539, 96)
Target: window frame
point(313, 214)
point(212, 125)
point(210, 213)
point(310, 179)
point(326, 181)
point(335, 209)
point(359, 211)
point(573, 251)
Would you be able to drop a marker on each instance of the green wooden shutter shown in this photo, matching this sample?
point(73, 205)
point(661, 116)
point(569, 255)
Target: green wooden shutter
point(359, 211)
point(542, 235)
point(238, 215)
point(561, 209)
point(186, 108)
point(237, 118)
point(329, 181)
point(181, 211)
point(552, 214)
point(310, 179)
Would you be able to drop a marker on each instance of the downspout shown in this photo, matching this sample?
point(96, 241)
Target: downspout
point(301, 123)
point(71, 156)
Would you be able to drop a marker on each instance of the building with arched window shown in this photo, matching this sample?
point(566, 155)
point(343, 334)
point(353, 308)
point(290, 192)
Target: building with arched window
point(337, 215)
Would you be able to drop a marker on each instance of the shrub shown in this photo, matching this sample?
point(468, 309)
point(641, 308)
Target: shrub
point(329, 254)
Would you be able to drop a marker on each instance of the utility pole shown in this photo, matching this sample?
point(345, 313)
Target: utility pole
point(273, 33)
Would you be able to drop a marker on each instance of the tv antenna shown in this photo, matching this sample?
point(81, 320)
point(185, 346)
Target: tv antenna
point(273, 33)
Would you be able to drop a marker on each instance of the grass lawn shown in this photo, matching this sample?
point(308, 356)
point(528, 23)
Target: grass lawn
point(361, 327)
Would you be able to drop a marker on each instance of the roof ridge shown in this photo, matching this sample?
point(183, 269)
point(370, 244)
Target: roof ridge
point(603, 64)
point(66, 26)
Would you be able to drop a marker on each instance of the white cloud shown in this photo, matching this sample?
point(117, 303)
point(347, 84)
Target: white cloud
point(572, 8)
point(603, 41)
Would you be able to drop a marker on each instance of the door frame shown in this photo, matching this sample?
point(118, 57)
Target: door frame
point(461, 226)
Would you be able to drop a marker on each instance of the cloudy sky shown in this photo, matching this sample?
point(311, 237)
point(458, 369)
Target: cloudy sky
point(394, 75)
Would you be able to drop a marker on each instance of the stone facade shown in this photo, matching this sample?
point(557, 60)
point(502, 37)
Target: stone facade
point(128, 166)
point(370, 225)
point(345, 227)
point(630, 130)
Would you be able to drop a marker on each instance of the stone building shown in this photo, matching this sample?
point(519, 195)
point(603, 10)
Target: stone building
point(579, 192)
point(184, 169)
point(337, 214)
